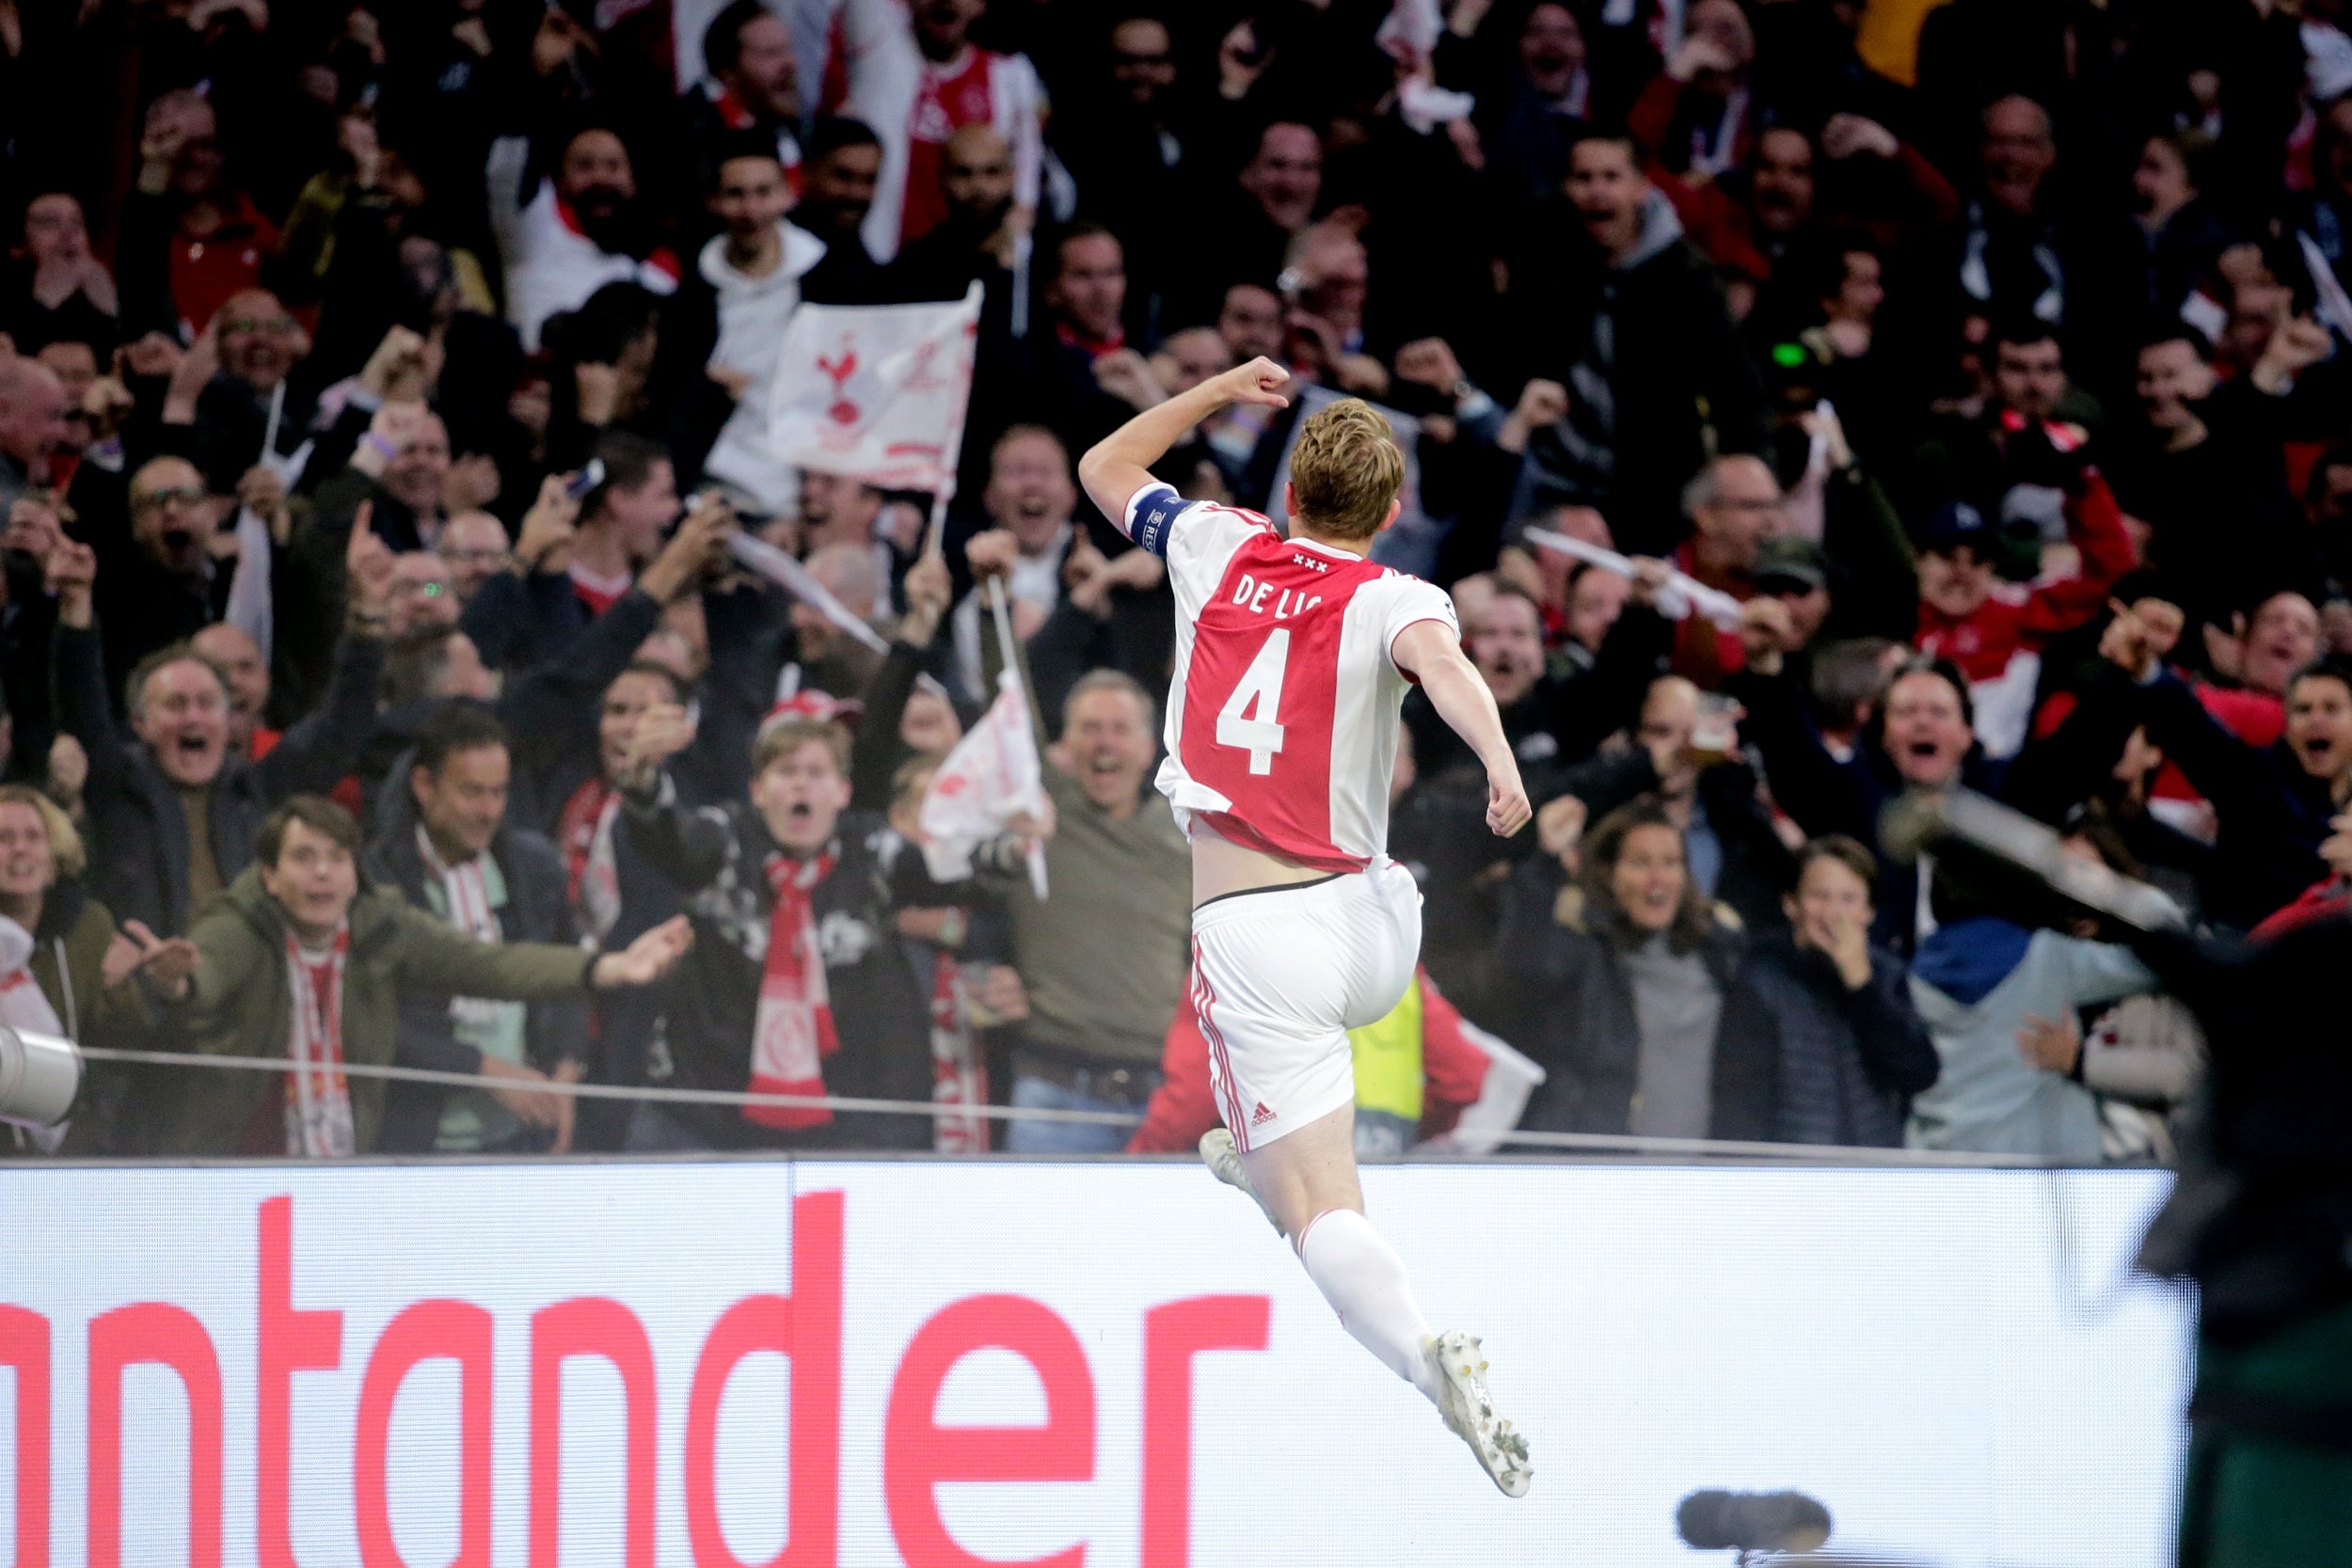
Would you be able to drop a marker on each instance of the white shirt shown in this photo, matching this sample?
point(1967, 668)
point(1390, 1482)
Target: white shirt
point(753, 312)
point(551, 266)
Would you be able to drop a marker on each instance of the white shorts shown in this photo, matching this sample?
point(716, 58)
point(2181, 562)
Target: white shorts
point(1280, 975)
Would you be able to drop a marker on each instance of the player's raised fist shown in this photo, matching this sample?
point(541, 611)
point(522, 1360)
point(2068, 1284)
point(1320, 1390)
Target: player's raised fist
point(1260, 381)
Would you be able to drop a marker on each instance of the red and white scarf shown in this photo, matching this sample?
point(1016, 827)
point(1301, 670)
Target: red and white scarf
point(958, 1066)
point(466, 894)
point(584, 832)
point(792, 1032)
point(318, 1100)
point(464, 888)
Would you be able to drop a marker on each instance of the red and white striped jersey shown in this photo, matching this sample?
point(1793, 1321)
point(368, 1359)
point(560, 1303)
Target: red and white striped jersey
point(877, 73)
point(1282, 713)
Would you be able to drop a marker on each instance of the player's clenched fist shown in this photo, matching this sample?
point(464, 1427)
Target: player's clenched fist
point(1507, 810)
point(1260, 381)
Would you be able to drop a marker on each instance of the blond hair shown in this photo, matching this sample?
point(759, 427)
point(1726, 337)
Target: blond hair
point(783, 739)
point(65, 841)
point(1345, 470)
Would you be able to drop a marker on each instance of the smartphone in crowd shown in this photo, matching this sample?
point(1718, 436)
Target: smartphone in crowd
point(586, 480)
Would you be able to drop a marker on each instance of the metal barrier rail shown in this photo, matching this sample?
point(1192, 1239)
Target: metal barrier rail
point(1580, 1143)
point(613, 1092)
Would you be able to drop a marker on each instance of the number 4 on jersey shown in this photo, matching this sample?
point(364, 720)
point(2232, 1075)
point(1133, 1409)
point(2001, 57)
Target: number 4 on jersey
point(1261, 688)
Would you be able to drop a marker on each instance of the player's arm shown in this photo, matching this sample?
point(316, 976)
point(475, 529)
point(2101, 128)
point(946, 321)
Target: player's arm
point(1429, 652)
point(1120, 465)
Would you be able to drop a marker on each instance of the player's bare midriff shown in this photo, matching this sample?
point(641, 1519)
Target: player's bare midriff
point(1220, 866)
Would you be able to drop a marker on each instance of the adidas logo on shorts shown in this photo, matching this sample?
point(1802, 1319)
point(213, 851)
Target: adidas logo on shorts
point(1260, 1117)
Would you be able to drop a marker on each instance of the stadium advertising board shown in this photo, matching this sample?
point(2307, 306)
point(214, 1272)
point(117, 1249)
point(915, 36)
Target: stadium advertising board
point(827, 1364)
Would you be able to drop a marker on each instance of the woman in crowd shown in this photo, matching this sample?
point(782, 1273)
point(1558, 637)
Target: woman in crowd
point(64, 969)
point(1617, 984)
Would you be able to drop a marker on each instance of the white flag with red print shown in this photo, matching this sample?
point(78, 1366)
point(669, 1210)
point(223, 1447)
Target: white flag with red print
point(876, 393)
point(991, 777)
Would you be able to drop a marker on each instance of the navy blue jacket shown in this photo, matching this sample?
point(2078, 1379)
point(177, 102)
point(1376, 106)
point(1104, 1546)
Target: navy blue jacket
point(1848, 1060)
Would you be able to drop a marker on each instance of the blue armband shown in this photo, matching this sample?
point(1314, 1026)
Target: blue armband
point(1156, 509)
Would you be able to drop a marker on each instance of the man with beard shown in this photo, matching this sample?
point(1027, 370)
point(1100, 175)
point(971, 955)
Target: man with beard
point(1781, 190)
point(977, 240)
point(841, 170)
point(914, 76)
point(580, 230)
point(173, 815)
point(753, 89)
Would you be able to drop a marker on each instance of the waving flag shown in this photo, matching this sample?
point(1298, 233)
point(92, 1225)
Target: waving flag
point(991, 777)
point(876, 393)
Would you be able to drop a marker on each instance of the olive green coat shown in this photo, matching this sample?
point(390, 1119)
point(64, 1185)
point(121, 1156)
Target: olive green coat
point(242, 1005)
point(67, 964)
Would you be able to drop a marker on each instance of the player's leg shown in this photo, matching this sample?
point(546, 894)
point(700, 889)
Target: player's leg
point(1278, 978)
point(1307, 1180)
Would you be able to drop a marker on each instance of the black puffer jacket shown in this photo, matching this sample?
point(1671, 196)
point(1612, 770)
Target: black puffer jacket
point(1848, 1060)
point(1566, 1000)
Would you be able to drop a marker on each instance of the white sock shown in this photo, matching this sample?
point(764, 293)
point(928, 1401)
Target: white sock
point(1363, 1279)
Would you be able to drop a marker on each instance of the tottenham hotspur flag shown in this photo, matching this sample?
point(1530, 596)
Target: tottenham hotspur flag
point(876, 393)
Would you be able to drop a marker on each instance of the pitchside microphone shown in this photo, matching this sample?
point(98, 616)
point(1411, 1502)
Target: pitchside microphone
point(1996, 848)
point(39, 1075)
point(1750, 1522)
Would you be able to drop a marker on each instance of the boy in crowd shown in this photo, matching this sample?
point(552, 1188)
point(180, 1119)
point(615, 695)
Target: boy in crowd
point(801, 986)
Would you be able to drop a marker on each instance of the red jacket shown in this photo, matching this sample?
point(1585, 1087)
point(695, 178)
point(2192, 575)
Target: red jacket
point(1183, 1106)
point(1983, 642)
point(2319, 901)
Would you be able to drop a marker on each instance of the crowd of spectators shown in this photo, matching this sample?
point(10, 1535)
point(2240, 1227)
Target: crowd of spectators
point(381, 384)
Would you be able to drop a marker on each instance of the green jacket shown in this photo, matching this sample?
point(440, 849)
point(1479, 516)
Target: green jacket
point(68, 960)
point(242, 1005)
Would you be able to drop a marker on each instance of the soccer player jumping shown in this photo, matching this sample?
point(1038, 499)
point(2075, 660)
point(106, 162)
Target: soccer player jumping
point(1292, 660)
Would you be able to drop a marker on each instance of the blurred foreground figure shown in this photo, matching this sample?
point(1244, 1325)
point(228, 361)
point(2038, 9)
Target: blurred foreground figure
point(2261, 1220)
